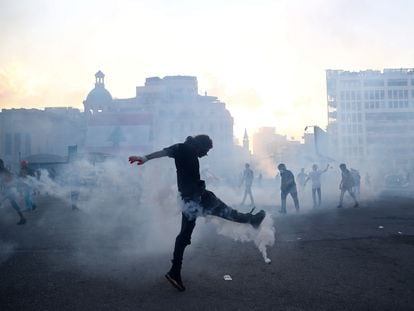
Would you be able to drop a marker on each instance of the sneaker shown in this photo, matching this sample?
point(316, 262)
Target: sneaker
point(356, 204)
point(282, 211)
point(34, 206)
point(257, 219)
point(175, 281)
point(22, 221)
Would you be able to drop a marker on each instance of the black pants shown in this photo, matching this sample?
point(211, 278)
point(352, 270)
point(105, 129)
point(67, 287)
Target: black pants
point(210, 205)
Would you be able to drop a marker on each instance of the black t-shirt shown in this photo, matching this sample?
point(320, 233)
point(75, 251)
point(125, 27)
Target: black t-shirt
point(288, 180)
point(188, 168)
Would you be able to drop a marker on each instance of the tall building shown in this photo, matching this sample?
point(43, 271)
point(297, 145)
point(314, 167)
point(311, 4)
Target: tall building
point(371, 116)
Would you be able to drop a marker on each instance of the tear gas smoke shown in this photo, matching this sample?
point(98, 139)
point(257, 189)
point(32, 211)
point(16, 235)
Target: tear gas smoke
point(263, 237)
point(146, 196)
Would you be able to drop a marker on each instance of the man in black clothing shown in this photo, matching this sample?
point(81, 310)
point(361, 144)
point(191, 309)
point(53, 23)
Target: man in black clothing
point(197, 200)
point(288, 186)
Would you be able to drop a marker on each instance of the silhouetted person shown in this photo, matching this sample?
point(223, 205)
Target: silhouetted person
point(25, 184)
point(301, 178)
point(346, 185)
point(357, 181)
point(315, 178)
point(259, 179)
point(197, 200)
point(6, 191)
point(247, 179)
point(288, 186)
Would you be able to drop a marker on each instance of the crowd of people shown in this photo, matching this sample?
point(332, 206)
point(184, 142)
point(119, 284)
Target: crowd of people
point(197, 201)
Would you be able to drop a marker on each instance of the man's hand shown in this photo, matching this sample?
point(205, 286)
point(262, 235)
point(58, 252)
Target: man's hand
point(138, 159)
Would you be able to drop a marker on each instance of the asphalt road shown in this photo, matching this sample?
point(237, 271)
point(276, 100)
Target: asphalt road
point(328, 259)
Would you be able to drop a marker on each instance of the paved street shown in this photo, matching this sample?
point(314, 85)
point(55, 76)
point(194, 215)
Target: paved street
point(328, 259)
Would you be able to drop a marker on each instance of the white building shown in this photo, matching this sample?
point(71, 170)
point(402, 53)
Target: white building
point(371, 117)
point(165, 111)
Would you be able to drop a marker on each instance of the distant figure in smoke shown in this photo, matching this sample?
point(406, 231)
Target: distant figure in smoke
point(247, 179)
point(259, 179)
point(367, 180)
point(315, 178)
point(347, 183)
point(357, 181)
point(6, 191)
point(301, 178)
point(197, 200)
point(25, 186)
point(72, 180)
point(288, 186)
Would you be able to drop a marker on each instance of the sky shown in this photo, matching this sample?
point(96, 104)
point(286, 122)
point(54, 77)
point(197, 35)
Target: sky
point(266, 59)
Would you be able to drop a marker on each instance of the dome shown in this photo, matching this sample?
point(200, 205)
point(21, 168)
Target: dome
point(99, 95)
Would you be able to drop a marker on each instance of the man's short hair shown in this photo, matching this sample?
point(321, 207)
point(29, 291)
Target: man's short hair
point(203, 141)
point(281, 166)
point(342, 165)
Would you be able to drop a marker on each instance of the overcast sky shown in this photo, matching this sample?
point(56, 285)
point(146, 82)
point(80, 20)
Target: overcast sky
point(266, 59)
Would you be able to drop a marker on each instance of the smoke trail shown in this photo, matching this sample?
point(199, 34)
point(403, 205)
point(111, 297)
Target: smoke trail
point(263, 237)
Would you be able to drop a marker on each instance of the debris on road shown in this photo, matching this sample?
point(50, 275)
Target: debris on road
point(227, 278)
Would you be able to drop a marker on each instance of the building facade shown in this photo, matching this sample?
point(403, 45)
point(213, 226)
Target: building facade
point(163, 112)
point(371, 117)
point(28, 132)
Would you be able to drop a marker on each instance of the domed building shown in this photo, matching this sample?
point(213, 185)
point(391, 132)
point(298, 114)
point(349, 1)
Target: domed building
point(114, 126)
point(98, 99)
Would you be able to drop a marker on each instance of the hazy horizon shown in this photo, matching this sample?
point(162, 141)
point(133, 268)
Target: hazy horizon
point(265, 59)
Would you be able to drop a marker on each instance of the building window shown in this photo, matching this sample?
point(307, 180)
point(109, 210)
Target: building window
point(374, 82)
point(405, 93)
point(389, 94)
point(354, 118)
point(397, 82)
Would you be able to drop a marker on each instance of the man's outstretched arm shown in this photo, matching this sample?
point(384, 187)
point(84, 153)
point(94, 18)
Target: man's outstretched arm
point(142, 159)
